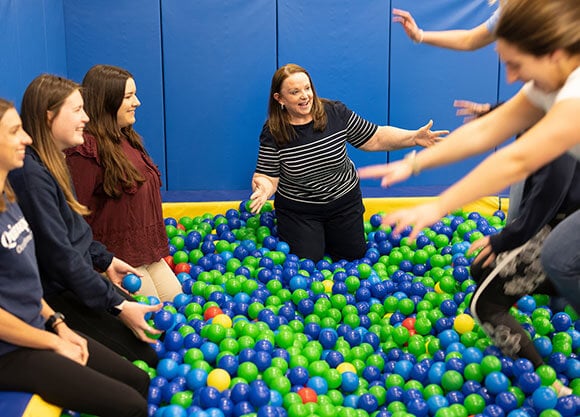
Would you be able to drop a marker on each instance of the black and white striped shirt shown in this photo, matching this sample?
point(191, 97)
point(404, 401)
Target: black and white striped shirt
point(315, 167)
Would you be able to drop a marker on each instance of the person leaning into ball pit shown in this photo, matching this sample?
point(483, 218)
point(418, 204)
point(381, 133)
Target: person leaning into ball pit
point(550, 195)
point(39, 353)
point(303, 160)
point(112, 173)
point(52, 114)
point(540, 45)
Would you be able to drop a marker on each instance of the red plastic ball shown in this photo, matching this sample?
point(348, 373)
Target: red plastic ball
point(182, 267)
point(211, 312)
point(308, 395)
point(169, 260)
point(409, 323)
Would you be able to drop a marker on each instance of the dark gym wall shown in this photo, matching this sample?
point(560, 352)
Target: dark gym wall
point(203, 70)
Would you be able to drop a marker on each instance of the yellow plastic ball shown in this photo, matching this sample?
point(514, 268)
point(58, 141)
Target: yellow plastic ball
point(328, 284)
point(223, 319)
point(438, 289)
point(346, 367)
point(219, 379)
point(463, 323)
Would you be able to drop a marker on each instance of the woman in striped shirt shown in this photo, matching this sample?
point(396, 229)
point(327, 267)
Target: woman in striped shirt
point(303, 160)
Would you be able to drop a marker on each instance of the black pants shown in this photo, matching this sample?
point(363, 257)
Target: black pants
point(103, 327)
point(108, 386)
point(314, 230)
point(512, 275)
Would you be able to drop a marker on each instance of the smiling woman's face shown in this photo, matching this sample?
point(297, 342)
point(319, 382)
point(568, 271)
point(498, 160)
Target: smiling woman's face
point(68, 124)
point(296, 95)
point(544, 71)
point(13, 141)
point(126, 112)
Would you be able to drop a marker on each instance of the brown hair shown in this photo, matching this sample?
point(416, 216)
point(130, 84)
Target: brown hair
point(278, 120)
point(6, 105)
point(539, 27)
point(103, 91)
point(48, 93)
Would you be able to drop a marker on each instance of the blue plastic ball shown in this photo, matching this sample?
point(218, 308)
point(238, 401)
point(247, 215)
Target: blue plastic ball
point(318, 384)
point(496, 382)
point(131, 283)
point(368, 402)
point(349, 381)
point(259, 394)
point(164, 319)
point(528, 382)
point(544, 398)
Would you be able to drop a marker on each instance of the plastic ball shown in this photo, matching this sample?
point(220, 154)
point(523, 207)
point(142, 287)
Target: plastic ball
point(259, 394)
point(544, 398)
point(219, 379)
point(164, 319)
point(223, 320)
point(496, 382)
point(131, 283)
point(561, 322)
point(308, 395)
point(350, 381)
point(528, 382)
point(167, 368)
point(463, 323)
point(368, 403)
point(195, 378)
point(346, 367)
point(318, 384)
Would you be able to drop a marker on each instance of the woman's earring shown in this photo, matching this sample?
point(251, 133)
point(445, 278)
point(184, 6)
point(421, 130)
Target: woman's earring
point(282, 106)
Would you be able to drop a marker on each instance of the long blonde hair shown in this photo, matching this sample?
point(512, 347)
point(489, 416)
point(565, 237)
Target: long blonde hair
point(6, 105)
point(48, 93)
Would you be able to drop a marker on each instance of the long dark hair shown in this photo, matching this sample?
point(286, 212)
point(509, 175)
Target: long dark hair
point(103, 92)
point(48, 93)
point(278, 121)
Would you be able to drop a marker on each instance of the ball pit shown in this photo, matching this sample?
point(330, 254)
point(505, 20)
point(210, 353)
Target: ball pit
point(258, 332)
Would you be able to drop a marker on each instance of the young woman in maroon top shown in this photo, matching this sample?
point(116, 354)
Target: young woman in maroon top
point(116, 179)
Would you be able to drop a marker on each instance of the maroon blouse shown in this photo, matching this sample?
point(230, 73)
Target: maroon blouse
point(132, 226)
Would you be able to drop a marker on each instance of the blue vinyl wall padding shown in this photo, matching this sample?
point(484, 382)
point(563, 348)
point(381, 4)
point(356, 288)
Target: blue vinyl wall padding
point(345, 48)
point(125, 33)
point(219, 57)
point(425, 80)
point(32, 34)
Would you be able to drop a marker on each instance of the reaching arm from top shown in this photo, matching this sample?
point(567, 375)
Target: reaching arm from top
point(471, 139)
point(389, 138)
point(553, 135)
point(460, 40)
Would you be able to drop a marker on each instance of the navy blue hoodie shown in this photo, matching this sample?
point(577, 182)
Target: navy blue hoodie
point(65, 249)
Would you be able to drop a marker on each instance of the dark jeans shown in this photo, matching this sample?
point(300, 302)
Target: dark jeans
point(103, 327)
point(314, 230)
point(561, 258)
point(108, 386)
